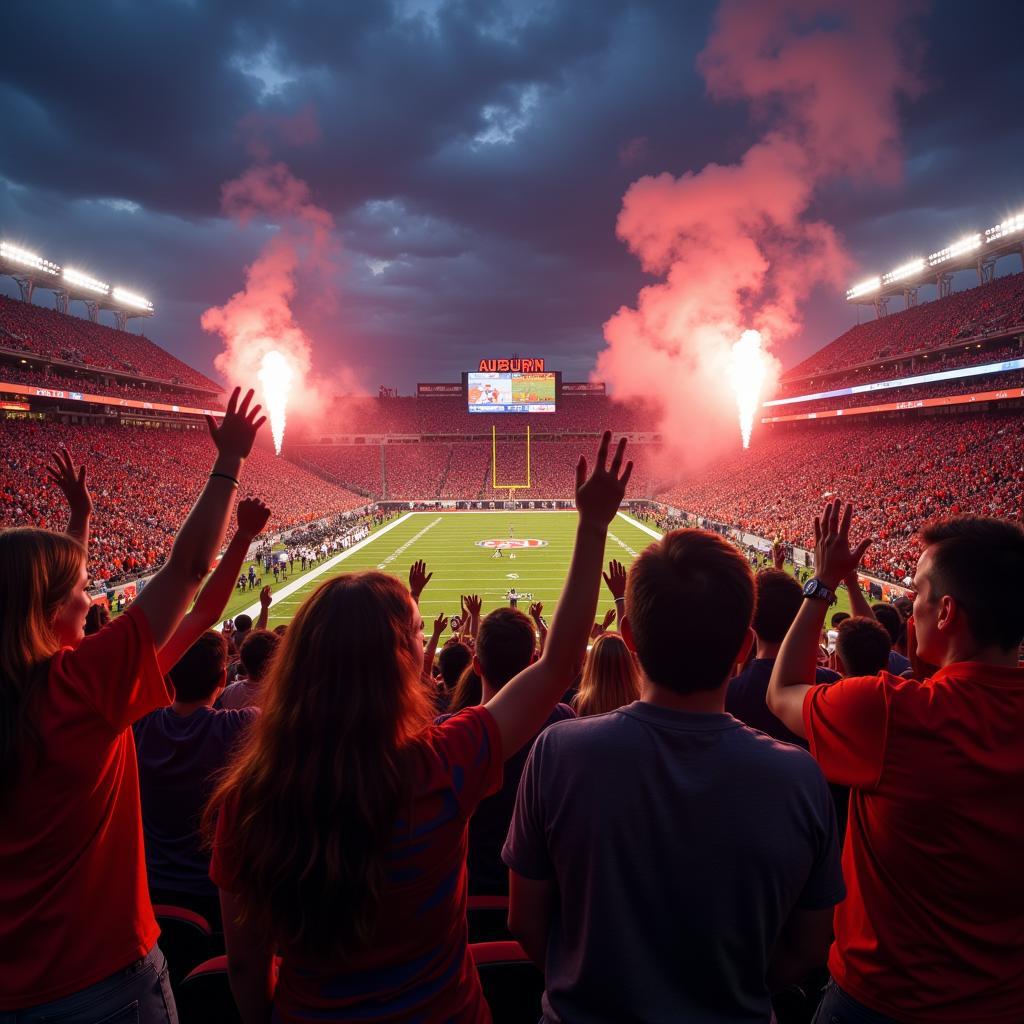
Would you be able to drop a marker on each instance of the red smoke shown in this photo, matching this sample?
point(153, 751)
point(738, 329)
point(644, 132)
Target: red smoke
point(259, 317)
point(735, 246)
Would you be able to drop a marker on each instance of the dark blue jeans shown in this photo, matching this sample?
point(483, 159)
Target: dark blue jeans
point(839, 1008)
point(138, 994)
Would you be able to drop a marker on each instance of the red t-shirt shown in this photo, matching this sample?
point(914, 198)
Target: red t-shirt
point(932, 929)
point(74, 907)
point(418, 966)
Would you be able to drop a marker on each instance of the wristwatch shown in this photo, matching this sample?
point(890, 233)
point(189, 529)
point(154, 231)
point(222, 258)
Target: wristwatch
point(816, 589)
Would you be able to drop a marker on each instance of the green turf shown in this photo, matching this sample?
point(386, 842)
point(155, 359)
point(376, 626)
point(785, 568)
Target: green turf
point(447, 542)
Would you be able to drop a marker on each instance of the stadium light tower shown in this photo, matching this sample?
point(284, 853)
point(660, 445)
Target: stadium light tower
point(125, 304)
point(26, 267)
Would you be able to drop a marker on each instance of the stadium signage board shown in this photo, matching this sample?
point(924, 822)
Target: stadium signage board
point(437, 390)
point(516, 365)
point(79, 396)
point(516, 543)
point(583, 388)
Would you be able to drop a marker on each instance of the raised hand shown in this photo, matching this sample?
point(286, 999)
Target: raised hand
point(834, 559)
point(418, 578)
point(536, 611)
point(598, 496)
point(609, 618)
point(70, 481)
point(252, 516)
point(472, 603)
point(266, 597)
point(440, 624)
point(238, 428)
point(615, 579)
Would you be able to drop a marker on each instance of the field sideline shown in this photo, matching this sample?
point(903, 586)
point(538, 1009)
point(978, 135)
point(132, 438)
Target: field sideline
point(449, 542)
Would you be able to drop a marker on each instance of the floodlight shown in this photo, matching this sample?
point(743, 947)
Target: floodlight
point(906, 270)
point(872, 284)
point(80, 280)
point(127, 298)
point(1009, 226)
point(958, 248)
point(16, 254)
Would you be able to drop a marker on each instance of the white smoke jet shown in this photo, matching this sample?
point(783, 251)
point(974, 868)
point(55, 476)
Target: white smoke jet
point(748, 369)
point(275, 378)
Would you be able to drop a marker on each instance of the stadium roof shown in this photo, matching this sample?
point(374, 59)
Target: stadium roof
point(978, 251)
point(33, 271)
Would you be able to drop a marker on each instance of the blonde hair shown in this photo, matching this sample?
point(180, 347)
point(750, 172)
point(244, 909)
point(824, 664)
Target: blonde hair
point(610, 680)
point(39, 570)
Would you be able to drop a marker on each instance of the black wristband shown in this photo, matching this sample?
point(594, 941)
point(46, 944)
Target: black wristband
point(224, 476)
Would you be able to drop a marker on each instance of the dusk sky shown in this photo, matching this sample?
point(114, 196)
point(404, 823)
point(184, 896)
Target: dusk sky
point(472, 158)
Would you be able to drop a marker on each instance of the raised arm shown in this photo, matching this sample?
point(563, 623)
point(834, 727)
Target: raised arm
point(418, 578)
point(252, 517)
point(859, 606)
point(168, 594)
point(615, 581)
point(440, 625)
point(266, 600)
point(522, 705)
point(537, 614)
point(793, 673)
point(71, 482)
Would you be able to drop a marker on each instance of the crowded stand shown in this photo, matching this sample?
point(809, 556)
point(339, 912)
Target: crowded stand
point(948, 359)
point(118, 387)
point(46, 332)
point(429, 470)
point(992, 308)
point(1014, 379)
point(902, 472)
point(142, 480)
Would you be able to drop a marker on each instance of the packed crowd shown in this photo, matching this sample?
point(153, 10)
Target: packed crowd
point(902, 474)
point(989, 308)
point(437, 470)
point(1014, 379)
point(947, 359)
point(119, 387)
point(143, 483)
point(46, 332)
point(666, 827)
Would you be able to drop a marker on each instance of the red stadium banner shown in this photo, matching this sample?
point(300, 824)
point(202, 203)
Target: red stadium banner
point(921, 403)
point(583, 388)
point(438, 390)
point(80, 396)
point(15, 406)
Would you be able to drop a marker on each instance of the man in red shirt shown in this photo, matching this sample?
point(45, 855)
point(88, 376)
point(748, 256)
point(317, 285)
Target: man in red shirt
point(932, 929)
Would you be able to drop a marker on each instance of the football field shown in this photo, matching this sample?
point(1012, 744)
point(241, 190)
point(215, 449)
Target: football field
point(458, 548)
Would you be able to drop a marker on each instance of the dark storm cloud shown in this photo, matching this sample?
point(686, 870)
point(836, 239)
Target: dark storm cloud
point(473, 154)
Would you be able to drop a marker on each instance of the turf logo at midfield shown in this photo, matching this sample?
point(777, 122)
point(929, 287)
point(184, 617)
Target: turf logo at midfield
point(516, 543)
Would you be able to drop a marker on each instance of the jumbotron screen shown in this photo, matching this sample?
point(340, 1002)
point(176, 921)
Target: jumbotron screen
point(511, 392)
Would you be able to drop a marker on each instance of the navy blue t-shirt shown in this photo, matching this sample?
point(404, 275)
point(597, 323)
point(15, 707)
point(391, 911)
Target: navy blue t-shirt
point(488, 827)
point(746, 699)
point(679, 845)
point(179, 755)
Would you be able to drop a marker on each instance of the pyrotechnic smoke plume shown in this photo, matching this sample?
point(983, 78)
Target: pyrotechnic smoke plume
point(258, 319)
point(735, 247)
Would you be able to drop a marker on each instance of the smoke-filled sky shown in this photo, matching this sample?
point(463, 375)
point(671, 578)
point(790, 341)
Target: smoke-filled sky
point(451, 174)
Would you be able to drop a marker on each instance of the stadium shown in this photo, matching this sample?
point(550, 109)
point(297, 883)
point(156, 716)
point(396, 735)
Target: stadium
point(647, 647)
point(935, 387)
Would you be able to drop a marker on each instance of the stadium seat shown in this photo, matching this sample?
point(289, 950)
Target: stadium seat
point(204, 996)
point(487, 917)
point(186, 938)
point(512, 983)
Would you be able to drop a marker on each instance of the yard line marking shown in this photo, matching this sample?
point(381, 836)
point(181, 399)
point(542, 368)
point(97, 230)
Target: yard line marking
point(640, 526)
point(409, 543)
point(290, 588)
point(622, 544)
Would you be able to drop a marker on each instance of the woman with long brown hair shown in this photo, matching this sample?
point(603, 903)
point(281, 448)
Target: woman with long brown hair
point(77, 932)
point(340, 834)
point(611, 679)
